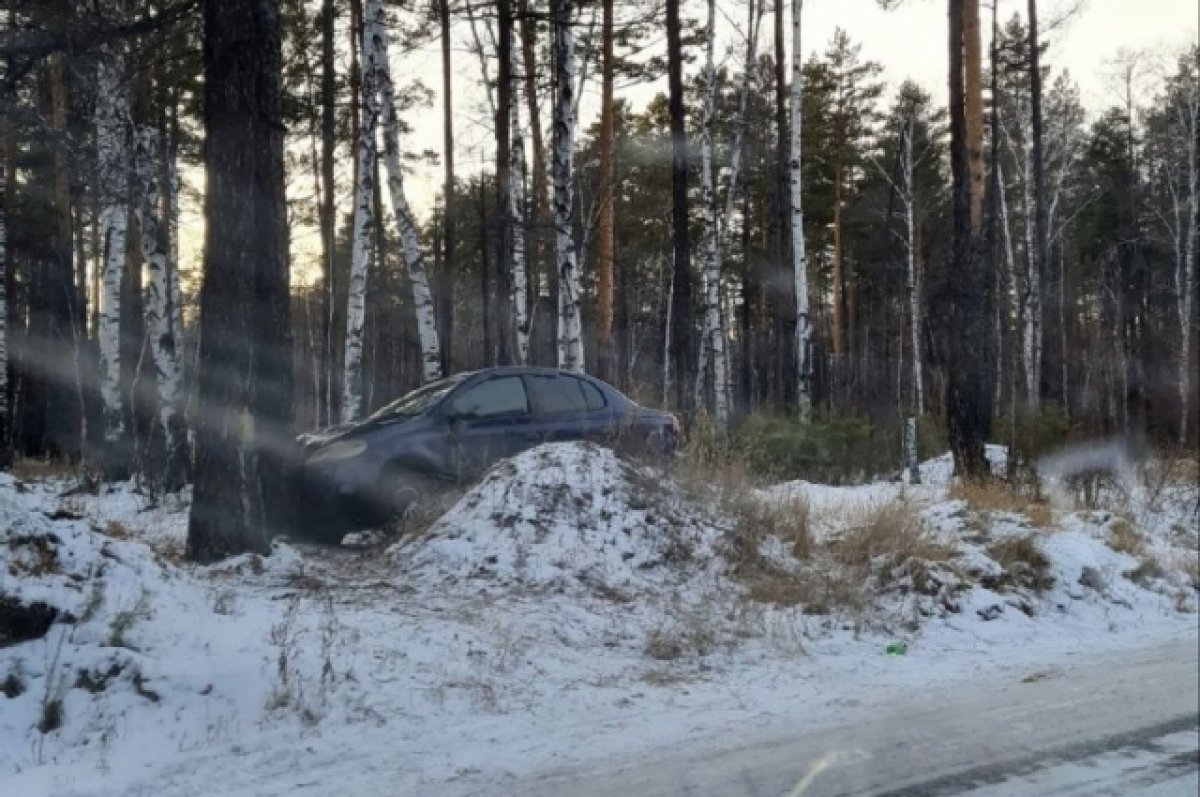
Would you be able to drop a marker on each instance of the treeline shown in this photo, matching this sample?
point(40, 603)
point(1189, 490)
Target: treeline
point(820, 248)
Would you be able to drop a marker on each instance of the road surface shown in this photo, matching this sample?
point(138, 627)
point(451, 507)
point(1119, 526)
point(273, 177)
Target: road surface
point(1126, 724)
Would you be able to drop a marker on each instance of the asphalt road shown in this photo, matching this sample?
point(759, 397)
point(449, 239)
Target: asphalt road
point(1126, 724)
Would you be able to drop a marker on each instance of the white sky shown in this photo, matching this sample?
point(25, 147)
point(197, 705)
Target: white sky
point(909, 41)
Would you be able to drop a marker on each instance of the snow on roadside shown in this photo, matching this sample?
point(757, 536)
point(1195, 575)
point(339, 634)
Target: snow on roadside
point(569, 607)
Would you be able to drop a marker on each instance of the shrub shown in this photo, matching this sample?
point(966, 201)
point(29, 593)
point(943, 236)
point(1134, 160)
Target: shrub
point(1024, 564)
point(894, 530)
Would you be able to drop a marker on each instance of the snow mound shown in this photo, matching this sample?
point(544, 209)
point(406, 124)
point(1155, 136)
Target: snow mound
point(568, 518)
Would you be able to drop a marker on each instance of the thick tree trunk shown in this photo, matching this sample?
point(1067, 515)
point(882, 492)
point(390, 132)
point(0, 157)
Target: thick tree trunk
point(163, 336)
point(681, 279)
point(244, 434)
point(799, 257)
point(112, 150)
point(968, 401)
point(445, 275)
point(570, 330)
point(375, 36)
point(605, 235)
point(364, 221)
point(5, 424)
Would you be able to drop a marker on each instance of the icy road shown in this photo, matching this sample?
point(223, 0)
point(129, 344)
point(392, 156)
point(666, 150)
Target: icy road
point(1124, 724)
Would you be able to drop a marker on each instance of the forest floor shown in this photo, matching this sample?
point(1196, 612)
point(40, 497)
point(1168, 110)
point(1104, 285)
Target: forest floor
point(570, 609)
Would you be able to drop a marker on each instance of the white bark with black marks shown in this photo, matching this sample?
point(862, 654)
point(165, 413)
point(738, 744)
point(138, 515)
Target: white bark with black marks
point(516, 210)
point(111, 119)
point(4, 425)
point(160, 330)
point(799, 257)
point(713, 340)
point(375, 53)
point(363, 226)
point(570, 327)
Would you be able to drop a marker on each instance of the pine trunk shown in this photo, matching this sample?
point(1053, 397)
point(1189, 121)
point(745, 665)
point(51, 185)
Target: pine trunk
point(5, 438)
point(570, 332)
point(244, 429)
point(328, 213)
point(445, 275)
point(605, 236)
point(799, 257)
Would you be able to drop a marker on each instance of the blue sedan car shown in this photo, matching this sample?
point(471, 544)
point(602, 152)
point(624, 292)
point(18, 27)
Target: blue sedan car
point(454, 429)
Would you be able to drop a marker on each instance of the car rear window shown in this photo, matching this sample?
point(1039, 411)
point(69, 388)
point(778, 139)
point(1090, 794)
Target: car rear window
point(552, 395)
point(503, 395)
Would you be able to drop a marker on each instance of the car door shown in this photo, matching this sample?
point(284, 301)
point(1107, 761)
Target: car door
point(566, 407)
point(487, 421)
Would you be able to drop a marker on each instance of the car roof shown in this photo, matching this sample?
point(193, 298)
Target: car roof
point(525, 369)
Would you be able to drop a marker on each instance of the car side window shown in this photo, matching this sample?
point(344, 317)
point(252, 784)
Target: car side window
point(592, 395)
point(503, 395)
point(553, 395)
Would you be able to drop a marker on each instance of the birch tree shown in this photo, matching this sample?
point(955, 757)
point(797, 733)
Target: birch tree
point(516, 211)
point(713, 336)
point(375, 55)
point(160, 319)
point(799, 257)
point(570, 328)
point(363, 226)
point(111, 120)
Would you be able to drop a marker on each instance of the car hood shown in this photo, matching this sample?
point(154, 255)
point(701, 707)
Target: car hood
point(310, 441)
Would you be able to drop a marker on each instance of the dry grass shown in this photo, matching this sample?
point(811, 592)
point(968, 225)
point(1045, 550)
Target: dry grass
point(997, 496)
point(894, 530)
point(1024, 563)
point(757, 518)
point(1148, 569)
point(27, 470)
point(1124, 538)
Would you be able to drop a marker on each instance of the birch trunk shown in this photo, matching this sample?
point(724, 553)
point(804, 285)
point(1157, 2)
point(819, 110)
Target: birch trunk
point(799, 258)
point(360, 251)
point(163, 336)
point(1031, 295)
point(914, 284)
point(112, 152)
point(375, 54)
point(1185, 279)
point(570, 332)
point(713, 335)
point(516, 210)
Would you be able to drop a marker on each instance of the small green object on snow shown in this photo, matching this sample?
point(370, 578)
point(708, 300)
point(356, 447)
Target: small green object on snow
point(896, 649)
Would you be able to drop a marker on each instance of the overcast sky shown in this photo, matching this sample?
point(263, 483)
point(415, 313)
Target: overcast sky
point(910, 42)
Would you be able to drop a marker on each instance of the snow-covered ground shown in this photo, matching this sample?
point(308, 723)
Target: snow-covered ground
point(570, 609)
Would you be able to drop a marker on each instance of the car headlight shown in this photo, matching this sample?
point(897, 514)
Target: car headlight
point(335, 452)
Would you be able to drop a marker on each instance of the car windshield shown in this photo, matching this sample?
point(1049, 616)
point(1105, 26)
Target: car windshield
point(419, 400)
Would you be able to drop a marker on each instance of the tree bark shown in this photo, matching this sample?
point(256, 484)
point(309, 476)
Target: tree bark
point(605, 234)
point(327, 211)
point(244, 430)
point(713, 337)
point(968, 401)
point(163, 336)
point(112, 136)
point(375, 35)
point(516, 212)
point(681, 279)
point(799, 256)
point(570, 331)
point(445, 275)
point(364, 222)
point(973, 77)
